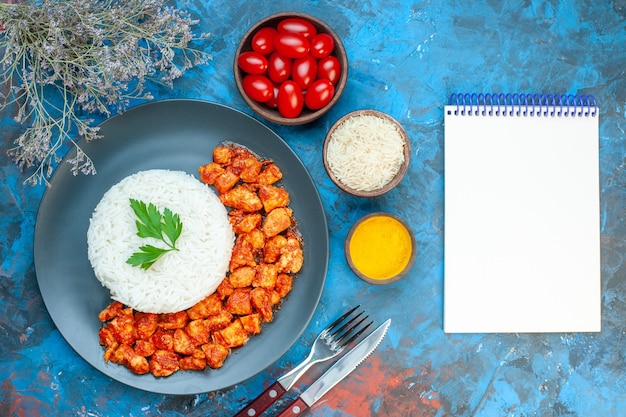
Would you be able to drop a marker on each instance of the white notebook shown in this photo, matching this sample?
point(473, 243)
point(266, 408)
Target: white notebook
point(522, 222)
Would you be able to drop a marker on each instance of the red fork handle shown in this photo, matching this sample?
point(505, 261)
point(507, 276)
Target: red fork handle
point(296, 408)
point(263, 401)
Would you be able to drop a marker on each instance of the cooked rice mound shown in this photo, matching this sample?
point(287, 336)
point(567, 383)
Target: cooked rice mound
point(179, 279)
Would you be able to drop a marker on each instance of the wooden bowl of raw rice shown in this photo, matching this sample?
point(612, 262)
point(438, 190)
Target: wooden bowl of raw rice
point(366, 153)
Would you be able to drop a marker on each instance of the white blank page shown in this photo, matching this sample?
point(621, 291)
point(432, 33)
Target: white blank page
point(522, 237)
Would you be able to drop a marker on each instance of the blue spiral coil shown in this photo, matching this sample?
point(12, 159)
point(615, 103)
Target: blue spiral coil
point(523, 105)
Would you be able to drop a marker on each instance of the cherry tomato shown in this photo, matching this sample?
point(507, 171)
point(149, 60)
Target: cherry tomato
point(329, 68)
point(279, 67)
point(319, 94)
point(258, 87)
point(263, 40)
point(322, 45)
point(291, 45)
point(272, 103)
point(252, 62)
point(304, 71)
point(297, 25)
point(290, 99)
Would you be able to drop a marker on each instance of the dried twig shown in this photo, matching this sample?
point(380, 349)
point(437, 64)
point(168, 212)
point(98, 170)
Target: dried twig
point(61, 59)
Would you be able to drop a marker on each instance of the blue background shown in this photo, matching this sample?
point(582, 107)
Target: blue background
point(406, 58)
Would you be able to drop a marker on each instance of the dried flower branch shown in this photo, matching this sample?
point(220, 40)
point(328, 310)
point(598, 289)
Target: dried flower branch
point(65, 58)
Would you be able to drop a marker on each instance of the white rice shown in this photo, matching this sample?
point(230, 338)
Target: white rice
point(179, 279)
point(365, 152)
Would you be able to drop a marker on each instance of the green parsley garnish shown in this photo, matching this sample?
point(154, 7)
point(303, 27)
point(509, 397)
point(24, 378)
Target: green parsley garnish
point(151, 223)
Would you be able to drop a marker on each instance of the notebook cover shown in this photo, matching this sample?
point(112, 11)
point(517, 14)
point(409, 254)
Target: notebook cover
point(522, 237)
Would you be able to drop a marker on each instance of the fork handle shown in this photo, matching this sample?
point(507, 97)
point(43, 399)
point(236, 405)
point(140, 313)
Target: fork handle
point(263, 401)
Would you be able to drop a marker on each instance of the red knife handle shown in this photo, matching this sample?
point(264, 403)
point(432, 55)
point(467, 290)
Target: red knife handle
point(263, 401)
point(296, 408)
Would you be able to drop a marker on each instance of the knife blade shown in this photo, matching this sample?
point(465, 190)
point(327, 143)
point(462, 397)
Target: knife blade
point(337, 372)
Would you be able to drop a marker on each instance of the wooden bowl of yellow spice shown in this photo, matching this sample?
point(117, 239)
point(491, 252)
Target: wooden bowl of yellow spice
point(380, 248)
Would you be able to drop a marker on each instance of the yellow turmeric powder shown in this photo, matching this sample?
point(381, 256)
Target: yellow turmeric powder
point(380, 247)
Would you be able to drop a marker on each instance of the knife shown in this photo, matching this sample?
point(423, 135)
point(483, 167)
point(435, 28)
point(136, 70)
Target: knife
point(337, 372)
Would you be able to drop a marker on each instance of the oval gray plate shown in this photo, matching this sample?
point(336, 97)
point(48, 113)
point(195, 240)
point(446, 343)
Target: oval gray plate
point(177, 135)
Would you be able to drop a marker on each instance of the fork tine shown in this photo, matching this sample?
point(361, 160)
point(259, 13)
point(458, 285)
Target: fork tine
point(340, 342)
point(355, 335)
point(337, 322)
point(346, 324)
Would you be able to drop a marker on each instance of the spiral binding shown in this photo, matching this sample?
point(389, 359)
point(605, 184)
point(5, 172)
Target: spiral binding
point(553, 105)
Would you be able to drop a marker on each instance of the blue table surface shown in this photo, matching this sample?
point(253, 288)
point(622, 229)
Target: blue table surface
point(406, 58)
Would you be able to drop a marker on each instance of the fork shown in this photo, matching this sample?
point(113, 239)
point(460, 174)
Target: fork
point(328, 344)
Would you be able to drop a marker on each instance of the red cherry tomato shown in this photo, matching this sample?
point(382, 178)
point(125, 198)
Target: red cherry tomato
point(263, 40)
point(279, 67)
point(322, 45)
point(290, 99)
point(329, 68)
point(291, 45)
point(304, 71)
point(297, 25)
point(252, 62)
point(258, 87)
point(319, 94)
point(272, 103)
